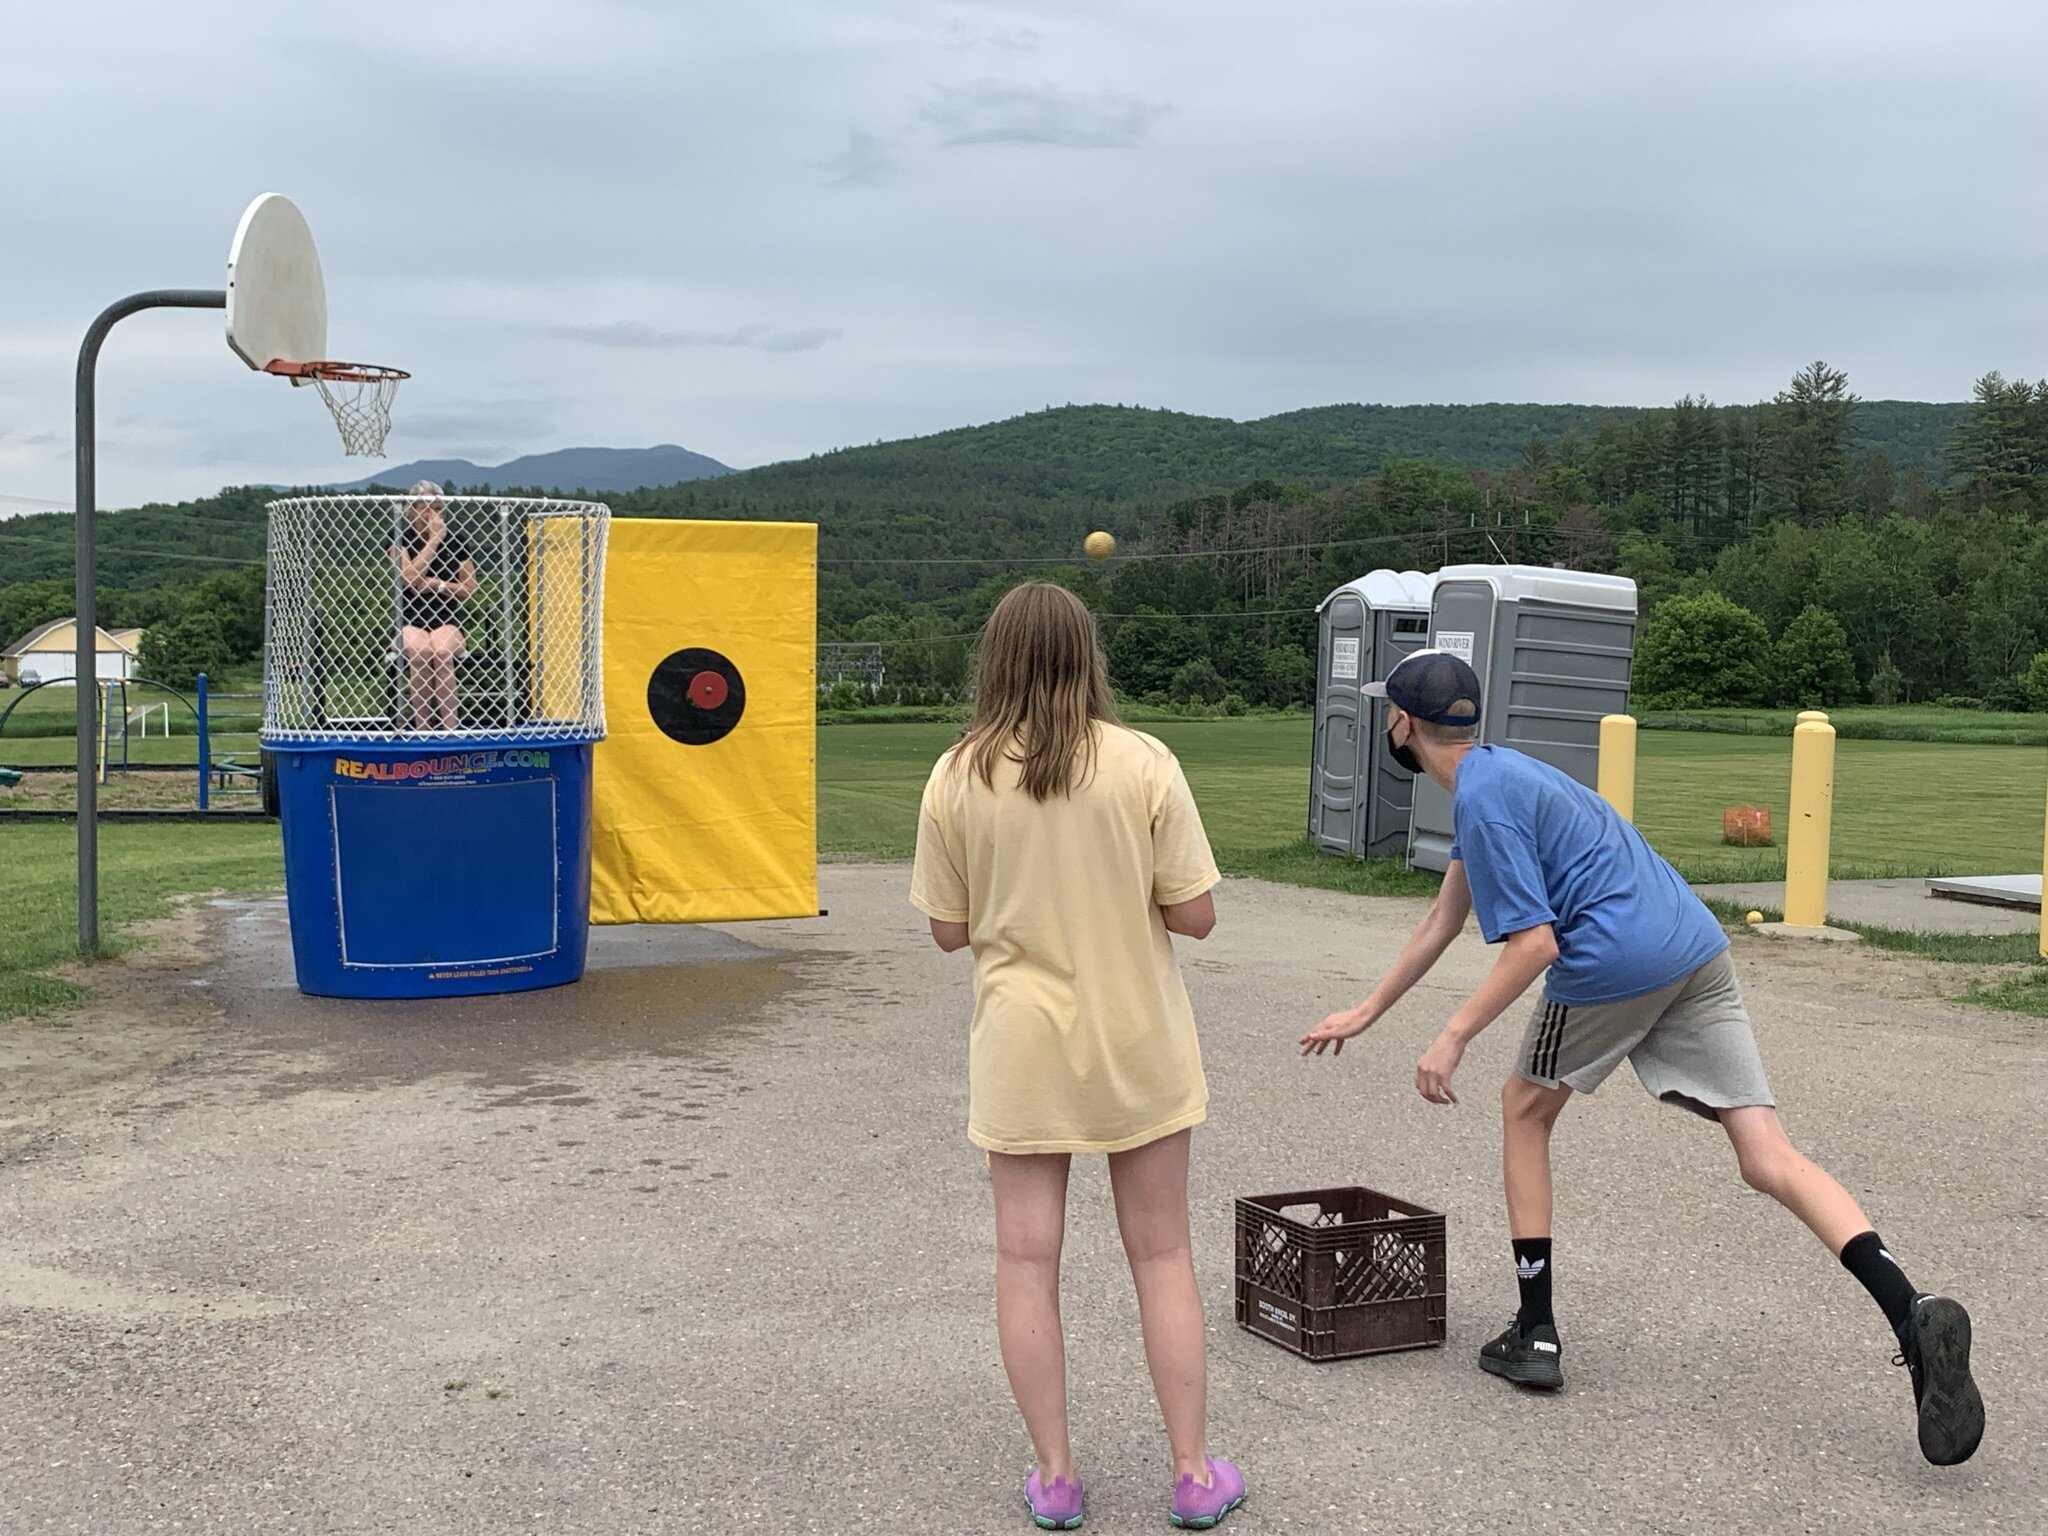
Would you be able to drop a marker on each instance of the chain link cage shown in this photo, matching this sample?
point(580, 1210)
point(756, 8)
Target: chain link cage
point(402, 618)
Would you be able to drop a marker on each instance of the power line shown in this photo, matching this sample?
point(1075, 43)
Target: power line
point(1250, 613)
point(155, 554)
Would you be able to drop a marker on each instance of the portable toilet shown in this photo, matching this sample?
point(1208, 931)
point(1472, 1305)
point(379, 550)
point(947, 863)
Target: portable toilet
point(1358, 795)
point(1553, 650)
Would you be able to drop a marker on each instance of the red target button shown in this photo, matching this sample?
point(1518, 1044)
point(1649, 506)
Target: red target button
point(708, 690)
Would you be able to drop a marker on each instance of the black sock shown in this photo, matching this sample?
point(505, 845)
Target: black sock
point(1864, 1257)
point(1532, 1271)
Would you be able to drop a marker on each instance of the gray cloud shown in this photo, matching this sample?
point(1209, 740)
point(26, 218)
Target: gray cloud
point(1003, 112)
point(1590, 200)
point(962, 35)
point(865, 162)
point(759, 338)
point(509, 423)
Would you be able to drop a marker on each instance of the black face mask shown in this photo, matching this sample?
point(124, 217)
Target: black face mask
point(1405, 756)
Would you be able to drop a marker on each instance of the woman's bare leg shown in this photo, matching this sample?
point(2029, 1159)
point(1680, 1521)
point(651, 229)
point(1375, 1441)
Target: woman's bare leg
point(447, 645)
point(1151, 1188)
point(1031, 1224)
point(416, 647)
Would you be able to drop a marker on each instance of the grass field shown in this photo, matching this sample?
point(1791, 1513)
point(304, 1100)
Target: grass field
point(1891, 722)
point(1901, 808)
point(141, 869)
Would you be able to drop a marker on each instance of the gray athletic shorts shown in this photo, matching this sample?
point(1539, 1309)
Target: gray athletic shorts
point(1690, 1043)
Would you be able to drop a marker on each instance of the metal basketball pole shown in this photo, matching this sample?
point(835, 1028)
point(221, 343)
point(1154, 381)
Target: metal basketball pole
point(85, 683)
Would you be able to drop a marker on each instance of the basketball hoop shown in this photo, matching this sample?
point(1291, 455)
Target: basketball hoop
point(358, 394)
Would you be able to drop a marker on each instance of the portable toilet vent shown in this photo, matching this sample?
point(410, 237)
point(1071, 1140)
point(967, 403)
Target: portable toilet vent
point(1553, 650)
point(1358, 795)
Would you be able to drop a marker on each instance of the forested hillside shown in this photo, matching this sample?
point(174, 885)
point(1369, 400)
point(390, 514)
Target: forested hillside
point(1915, 531)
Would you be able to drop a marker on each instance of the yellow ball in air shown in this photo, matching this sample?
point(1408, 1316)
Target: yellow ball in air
point(1754, 917)
point(1100, 545)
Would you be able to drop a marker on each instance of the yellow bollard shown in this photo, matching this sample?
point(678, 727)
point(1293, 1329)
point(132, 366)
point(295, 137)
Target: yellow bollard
point(1813, 810)
point(1617, 774)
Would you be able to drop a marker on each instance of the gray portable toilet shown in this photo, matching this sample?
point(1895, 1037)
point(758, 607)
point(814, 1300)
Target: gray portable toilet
point(1358, 795)
point(1553, 651)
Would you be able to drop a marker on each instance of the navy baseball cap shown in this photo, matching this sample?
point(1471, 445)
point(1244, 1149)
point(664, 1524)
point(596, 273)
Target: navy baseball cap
point(1432, 685)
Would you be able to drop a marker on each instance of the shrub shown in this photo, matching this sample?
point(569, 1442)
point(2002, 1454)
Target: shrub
point(176, 651)
point(2034, 681)
point(2008, 694)
point(1701, 652)
point(1810, 665)
point(1196, 682)
point(844, 694)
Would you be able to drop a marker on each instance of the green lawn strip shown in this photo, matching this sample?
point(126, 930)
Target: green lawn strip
point(1901, 808)
point(2022, 992)
point(142, 869)
point(1898, 722)
point(1918, 807)
point(62, 751)
point(1299, 863)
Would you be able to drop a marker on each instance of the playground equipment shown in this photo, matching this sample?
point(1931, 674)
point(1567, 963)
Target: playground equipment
point(117, 721)
point(432, 694)
point(276, 308)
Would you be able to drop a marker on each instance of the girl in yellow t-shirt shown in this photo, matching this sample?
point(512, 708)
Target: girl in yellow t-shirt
point(1063, 848)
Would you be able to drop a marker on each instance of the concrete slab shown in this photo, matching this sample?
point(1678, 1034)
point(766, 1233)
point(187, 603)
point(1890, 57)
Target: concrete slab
point(1824, 934)
point(700, 1245)
point(1889, 904)
point(1994, 890)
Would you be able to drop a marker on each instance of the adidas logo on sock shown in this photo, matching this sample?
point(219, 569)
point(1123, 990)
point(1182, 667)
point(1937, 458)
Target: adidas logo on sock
point(1529, 1269)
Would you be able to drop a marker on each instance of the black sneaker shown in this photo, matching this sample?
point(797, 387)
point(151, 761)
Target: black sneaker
point(1934, 1345)
point(1532, 1359)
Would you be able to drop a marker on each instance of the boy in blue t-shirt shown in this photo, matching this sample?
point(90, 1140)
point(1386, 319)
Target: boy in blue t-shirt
point(1636, 968)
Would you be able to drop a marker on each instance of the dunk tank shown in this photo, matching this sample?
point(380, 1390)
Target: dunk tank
point(432, 689)
point(432, 697)
point(457, 809)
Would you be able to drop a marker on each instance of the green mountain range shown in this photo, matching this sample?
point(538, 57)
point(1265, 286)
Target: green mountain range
point(1027, 487)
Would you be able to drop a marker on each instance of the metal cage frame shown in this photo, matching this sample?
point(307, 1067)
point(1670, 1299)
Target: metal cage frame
point(339, 668)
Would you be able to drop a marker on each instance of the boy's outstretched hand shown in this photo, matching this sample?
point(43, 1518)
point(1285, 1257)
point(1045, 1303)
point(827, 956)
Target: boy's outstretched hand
point(1335, 1030)
point(1433, 1072)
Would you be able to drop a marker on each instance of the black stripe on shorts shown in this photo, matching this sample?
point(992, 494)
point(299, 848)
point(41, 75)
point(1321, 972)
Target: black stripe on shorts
point(1543, 1062)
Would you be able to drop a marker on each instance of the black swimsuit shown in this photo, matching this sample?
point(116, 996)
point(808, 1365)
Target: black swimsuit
point(431, 610)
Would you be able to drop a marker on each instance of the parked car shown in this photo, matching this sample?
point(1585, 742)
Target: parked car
point(30, 677)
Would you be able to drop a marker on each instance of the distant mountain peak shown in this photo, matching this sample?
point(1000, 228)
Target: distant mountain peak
point(598, 470)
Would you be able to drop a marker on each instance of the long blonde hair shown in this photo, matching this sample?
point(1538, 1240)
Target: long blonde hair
point(1040, 685)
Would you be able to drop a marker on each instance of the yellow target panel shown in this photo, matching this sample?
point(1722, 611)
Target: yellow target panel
point(706, 800)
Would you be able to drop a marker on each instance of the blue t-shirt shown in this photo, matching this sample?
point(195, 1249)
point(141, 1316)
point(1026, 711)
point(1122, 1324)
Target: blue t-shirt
point(1539, 847)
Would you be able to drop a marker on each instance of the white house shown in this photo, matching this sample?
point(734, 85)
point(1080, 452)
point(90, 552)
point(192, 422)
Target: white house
point(51, 650)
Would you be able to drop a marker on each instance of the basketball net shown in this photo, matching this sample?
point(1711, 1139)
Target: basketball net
point(358, 396)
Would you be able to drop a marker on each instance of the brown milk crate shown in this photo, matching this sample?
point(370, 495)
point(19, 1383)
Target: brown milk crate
point(1333, 1273)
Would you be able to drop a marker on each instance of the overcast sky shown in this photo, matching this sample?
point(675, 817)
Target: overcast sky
point(766, 229)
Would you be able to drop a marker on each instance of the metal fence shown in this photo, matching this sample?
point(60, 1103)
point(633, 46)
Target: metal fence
point(392, 618)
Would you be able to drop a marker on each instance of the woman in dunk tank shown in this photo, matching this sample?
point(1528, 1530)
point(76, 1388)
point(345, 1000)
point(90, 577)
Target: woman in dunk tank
point(1063, 849)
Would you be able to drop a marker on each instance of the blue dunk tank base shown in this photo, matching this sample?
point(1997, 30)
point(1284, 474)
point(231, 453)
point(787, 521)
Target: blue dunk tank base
point(442, 870)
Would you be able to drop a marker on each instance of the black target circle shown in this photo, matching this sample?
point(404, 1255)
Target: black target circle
point(696, 696)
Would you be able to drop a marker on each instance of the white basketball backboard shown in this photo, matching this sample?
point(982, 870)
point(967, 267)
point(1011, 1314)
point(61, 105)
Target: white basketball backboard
point(277, 301)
